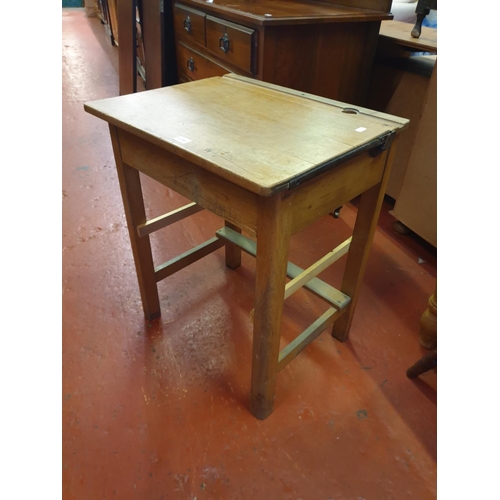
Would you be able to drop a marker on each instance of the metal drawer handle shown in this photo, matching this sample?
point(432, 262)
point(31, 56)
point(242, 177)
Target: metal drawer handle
point(224, 43)
point(187, 24)
point(190, 64)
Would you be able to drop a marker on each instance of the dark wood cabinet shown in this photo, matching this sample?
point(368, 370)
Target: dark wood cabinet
point(314, 47)
point(320, 48)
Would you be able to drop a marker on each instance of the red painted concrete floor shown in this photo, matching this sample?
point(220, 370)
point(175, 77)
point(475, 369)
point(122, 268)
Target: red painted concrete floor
point(160, 410)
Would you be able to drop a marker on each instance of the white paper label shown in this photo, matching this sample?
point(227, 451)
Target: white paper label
point(360, 129)
point(182, 140)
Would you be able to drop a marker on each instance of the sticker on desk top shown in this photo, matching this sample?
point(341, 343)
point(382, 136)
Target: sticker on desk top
point(360, 129)
point(182, 140)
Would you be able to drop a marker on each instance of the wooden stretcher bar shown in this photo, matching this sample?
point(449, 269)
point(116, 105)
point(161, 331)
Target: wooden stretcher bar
point(187, 258)
point(165, 220)
point(321, 289)
point(297, 345)
point(313, 270)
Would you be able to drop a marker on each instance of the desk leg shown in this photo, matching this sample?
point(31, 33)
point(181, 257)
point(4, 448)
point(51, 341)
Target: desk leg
point(273, 236)
point(233, 252)
point(133, 203)
point(362, 239)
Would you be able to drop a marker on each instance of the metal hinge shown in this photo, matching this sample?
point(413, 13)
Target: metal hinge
point(374, 147)
point(161, 7)
point(383, 144)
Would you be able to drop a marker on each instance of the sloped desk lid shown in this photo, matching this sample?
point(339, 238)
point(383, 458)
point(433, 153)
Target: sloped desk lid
point(261, 137)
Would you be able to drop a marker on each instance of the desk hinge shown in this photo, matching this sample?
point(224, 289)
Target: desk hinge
point(383, 144)
point(374, 147)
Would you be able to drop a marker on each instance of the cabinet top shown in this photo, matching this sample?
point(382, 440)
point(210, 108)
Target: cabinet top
point(399, 33)
point(275, 12)
point(259, 136)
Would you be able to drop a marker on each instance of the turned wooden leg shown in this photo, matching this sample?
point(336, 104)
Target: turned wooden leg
point(133, 203)
point(362, 238)
point(273, 235)
point(428, 362)
point(233, 252)
point(428, 324)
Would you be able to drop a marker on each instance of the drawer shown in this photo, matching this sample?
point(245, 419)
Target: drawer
point(195, 66)
point(189, 24)
point(232, 43)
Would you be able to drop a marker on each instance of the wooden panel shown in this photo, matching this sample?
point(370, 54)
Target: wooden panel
point(126, 50)
point(189, 24)
point(113, 17)
point(399, 91)
point(329, 60)
point(224, 199)
point(401, 123)
point(153, 43)
point(323, 194)
point(416, 206)
point(232, 43)
point(195, 66)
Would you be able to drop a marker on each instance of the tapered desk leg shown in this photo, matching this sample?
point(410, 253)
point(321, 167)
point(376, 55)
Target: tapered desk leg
point(233, 252)
point(362, 238)
point(133, 203)
point(273, 236)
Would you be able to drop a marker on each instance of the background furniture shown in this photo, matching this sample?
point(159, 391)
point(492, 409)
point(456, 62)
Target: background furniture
point(406, 85)
point(424, 364)
point(416, 205)
point(106, 12)
point(427, 339)
point(317, 47)
point(428, 323)
point(323, 49)
point(146, 31)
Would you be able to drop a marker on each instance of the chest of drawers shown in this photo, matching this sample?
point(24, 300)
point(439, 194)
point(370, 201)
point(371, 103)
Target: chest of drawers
point(313, 47)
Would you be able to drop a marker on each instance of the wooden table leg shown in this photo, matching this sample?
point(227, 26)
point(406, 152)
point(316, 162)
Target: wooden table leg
point(233, 252)
point(424, 364)
point(428, 324)
point(133, 203)
point(362, 238)
point(273, 236)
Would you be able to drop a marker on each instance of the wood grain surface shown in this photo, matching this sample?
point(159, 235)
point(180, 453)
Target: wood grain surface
point(255, 136)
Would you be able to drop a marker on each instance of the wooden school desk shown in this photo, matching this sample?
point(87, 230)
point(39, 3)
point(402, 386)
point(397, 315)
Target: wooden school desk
point(270, 161)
